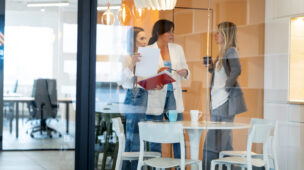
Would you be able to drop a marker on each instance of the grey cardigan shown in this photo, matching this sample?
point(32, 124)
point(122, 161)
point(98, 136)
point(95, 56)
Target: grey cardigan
point(232, 66)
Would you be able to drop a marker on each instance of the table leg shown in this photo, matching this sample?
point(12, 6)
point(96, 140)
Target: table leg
point(195, 138)
point(22, 112)
point(67, 113)
point(17, 119)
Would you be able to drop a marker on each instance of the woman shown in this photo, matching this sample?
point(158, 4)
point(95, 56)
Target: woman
point(168, 97)
point(136, 97)
point(226, 96)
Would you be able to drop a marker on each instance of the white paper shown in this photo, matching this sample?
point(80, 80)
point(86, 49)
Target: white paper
point(148, 64)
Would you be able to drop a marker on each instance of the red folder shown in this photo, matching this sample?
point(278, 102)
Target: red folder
point(161, 78)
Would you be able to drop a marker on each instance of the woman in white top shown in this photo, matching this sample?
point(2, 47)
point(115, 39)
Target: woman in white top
point(226, 96)
point(135, 102)
point(168, 97)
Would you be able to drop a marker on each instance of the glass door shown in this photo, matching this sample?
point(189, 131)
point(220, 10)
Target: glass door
point(39, 85)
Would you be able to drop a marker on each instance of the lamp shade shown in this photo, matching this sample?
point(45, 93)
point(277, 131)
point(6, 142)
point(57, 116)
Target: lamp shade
point(108, 17)
point(124, 13)
point(156, 4)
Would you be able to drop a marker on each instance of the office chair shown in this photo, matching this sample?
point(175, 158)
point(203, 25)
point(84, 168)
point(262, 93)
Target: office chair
point(44, 106)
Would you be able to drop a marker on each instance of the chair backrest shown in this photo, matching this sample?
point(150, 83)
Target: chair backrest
point(45, 94)
point(119, 130)
point(160, 132)
point(265, 121)
point(258, 133)
point(272, 140)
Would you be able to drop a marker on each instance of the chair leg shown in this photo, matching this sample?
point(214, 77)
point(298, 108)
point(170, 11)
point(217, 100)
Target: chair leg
point(212, 165)
point(228, 166)
point(200, 166)
point(221, 165)
point(115, 156)
point(267, 166)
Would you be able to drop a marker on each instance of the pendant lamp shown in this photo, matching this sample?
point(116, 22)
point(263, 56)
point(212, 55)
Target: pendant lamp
point(156, 4)
point(108, 17)
point(138, 12)
point(124, 13)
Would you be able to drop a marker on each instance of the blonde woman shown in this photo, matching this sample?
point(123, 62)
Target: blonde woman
point(226, 96)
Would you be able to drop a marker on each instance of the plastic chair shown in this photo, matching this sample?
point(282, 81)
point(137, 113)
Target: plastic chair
point(271, 142)
point(160, 132)
point(119, 130)
point(258, 133)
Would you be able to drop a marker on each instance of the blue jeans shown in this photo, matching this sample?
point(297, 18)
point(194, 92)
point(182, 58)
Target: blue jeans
point(217, 140)
point(136, 103)
point(169, 105)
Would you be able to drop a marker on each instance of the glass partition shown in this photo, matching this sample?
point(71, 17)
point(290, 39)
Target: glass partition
point(226, 65)
point(40, 77)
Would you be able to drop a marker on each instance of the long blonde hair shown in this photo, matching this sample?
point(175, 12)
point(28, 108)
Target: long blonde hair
point(228, 30)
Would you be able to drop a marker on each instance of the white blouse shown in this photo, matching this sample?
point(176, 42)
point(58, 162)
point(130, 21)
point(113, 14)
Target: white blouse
point(219, 95)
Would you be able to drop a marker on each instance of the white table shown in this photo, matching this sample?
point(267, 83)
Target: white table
point(195, 130)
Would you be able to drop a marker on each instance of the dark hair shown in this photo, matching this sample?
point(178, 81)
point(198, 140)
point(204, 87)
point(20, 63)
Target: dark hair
point(132, 34)
point(159, 28)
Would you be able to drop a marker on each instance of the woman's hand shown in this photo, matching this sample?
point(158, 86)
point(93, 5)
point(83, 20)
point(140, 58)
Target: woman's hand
point(159, 87)
point(182, 72)
point(135, 59)
point(162, 69)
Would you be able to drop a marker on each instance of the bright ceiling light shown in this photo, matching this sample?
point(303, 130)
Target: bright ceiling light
point(104, 8)
point(156, 4)
point(124, 13)
point(108, 17)
point(47, 4)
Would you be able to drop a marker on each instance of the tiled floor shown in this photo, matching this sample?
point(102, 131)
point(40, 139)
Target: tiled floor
point(10, 142)
point(38, 160)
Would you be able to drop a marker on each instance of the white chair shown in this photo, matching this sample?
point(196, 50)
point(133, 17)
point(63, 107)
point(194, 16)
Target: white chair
point(160, 132)
point(271, 142)
point(258, 133)
point(130, 156)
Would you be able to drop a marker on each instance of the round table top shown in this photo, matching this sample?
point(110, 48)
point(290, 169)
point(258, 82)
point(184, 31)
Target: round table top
point(200, 125)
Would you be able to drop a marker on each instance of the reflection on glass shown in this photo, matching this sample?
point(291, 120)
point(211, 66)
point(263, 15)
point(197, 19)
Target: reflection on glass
point(296, 83)
point(261, 51)
point(40, 78)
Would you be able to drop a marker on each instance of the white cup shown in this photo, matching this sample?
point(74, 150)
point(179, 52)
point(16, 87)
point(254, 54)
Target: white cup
point(195, 115)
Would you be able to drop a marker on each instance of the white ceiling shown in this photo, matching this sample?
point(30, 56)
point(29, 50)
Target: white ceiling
point(13, 5)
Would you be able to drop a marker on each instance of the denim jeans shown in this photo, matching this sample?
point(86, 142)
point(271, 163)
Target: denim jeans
point(217, 140)
point(136, 102)
point(169, 105)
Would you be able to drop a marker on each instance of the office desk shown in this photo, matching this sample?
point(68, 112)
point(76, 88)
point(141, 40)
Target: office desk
point(17, 100)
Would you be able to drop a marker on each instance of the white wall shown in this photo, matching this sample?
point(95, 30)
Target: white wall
point(53, 19)
point(291, 116)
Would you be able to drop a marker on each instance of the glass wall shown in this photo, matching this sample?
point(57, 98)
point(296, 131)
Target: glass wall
point(40, 76)
point(256, 64)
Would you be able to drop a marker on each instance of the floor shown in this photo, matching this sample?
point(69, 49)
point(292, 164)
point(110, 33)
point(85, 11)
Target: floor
point(38, 160)
point(46, 160)
point(24, 141)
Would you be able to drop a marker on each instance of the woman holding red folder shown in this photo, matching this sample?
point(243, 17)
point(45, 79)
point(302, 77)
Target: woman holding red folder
point(167, 97)
point(136, 97)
